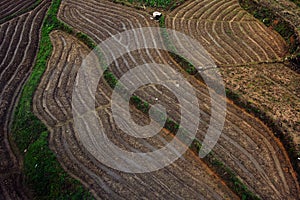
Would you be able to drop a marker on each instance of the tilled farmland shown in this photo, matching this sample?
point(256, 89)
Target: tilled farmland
point(249, 55)
point(9, 8)
point(171, 182)
point(19, 45)
point(230, 34)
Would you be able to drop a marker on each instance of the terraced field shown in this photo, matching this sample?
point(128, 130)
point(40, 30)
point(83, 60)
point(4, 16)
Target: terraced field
point(237, 41)
point(230, 34)
point(245, 50)
point(246, 145)
point(188, 177)
point(19, 39)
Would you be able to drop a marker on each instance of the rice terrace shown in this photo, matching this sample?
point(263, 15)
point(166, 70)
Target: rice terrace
point(243, 109)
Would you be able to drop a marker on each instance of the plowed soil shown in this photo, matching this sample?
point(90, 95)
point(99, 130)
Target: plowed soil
point(188, 177)
point(246, 145)
point(19, 39)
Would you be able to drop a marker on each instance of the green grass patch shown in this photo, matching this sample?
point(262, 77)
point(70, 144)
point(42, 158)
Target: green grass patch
point(43, 172)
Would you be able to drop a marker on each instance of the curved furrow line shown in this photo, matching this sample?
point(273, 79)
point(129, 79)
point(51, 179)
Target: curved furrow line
point(270, 143)
point(48, 94)
point(40, 106)
point(231, 113)
point(267, 147)
point(201, 32)
point(3, 32)
point(161, 182)
point(173, 170)
point(160, 178)
point(252, 41)
point(25, 20)
point(87, 176)
point(209, 10)
point(60, 78)
point(229, 17)
point(18, 67)
point(113, 181)
point(91, 30)
point(272, 88)
point(109, 10)
point(219, 51)
point(267, 48)
point(112, 32)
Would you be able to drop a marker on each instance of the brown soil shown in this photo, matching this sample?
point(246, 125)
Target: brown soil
point(229, 34)
point(188, 177)
point(246, 146)
point(19, 42)
point(239, 44)
point(273, 89)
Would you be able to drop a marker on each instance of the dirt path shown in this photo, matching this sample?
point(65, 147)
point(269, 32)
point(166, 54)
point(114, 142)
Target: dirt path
point(19, 41)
